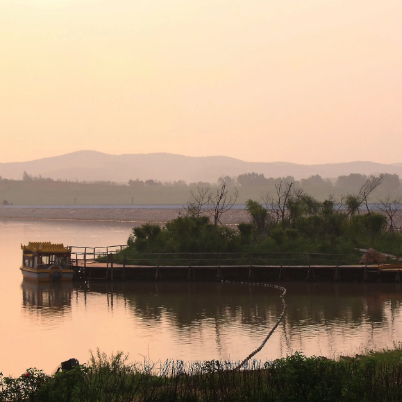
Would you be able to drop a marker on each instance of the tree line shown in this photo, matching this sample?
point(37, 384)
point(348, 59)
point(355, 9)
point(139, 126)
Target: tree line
point(390, 182)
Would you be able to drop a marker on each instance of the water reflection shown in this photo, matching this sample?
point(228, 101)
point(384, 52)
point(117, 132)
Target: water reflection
point(308, 303)
point(188, 303)
point(47, 298)
point(185, 305)
point(215, 320)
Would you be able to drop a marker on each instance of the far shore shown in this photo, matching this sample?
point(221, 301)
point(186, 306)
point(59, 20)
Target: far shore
point(105, 214)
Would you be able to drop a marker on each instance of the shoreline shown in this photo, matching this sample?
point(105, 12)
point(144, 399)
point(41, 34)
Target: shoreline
point(131, 215)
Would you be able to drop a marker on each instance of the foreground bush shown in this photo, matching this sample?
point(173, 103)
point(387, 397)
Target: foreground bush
point(295, 378)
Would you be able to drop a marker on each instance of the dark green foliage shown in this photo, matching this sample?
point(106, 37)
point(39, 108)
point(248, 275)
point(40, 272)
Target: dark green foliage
point(352, 203)
point(374, 377)
point(246, 230)
point(21, 388)
point(184, 234)
point(144, 236)
point(278, 234)
point(376, 223)
point(260, 218)
point(291, 234)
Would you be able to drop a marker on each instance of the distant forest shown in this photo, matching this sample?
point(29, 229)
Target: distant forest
point(391, 182)
point(38, 190)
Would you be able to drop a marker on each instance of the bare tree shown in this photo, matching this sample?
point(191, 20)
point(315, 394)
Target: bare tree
point(278, 206)
point(206, 202)
point(368, 187)
point(220, 202)
point(354, 202)
point(199, 201)
point(391, 208)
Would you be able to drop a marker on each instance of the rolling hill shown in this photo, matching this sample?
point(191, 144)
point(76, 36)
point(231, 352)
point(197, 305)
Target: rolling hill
point(94, 166)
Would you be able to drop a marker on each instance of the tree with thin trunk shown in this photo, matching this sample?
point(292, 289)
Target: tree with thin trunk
point(391, 208)
point(206, 202)
point(221, 202)
point(279, 204)
point(354, 202)
point(368, 187)
point(198, 203)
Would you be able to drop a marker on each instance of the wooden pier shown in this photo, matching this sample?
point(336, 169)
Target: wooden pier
point(114, 263)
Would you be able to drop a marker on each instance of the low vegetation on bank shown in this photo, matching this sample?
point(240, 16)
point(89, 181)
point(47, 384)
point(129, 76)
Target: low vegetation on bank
point(372, 377)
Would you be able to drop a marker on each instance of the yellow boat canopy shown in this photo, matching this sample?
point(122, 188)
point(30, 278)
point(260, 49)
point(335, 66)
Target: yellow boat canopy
point(46, 247)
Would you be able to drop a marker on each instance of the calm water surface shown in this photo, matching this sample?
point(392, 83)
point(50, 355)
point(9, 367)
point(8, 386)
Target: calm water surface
point(45, 324)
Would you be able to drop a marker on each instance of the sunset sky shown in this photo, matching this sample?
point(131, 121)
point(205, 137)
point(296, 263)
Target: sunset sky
point(305, 81)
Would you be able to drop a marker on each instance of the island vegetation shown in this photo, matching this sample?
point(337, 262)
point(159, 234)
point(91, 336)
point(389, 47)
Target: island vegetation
point(287, 221)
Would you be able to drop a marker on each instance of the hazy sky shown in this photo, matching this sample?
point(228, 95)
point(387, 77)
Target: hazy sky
point(307, 81)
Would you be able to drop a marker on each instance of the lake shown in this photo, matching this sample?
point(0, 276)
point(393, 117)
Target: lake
point(44, 324)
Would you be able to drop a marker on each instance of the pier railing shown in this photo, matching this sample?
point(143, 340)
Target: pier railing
point(118, 255)
point(241, 259)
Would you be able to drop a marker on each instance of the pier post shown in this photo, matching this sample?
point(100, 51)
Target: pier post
point(365, 273)
point(157, 274)
point(219, 267)
point(111, 267)
point(280, 269)
point(123, 275)
point(191, 272)
point(310, 272)
point(85, 257)
point(336, 272)
point(250, 270)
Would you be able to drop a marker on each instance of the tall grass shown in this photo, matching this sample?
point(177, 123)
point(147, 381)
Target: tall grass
point(295, 378)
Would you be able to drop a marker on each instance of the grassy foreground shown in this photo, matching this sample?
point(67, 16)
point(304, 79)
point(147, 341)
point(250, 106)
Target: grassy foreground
point(376, 376)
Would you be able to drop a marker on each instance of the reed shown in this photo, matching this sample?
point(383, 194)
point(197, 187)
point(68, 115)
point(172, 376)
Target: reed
point(295, 378)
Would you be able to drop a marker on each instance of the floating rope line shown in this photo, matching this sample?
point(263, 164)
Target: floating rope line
point(282, 296)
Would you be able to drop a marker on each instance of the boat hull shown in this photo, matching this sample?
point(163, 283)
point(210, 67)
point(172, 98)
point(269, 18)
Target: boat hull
point(47, 275)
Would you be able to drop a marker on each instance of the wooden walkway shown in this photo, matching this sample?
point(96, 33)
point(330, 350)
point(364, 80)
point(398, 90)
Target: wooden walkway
point(93, 264)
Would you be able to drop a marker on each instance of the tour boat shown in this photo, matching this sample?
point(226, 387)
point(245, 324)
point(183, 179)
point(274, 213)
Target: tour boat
point(44, 261)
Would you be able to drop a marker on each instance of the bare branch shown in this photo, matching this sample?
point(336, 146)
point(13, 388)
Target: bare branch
point(199, 200)
point(221, 201)
point(368, 187)
point(354, 202)
point(391, 208)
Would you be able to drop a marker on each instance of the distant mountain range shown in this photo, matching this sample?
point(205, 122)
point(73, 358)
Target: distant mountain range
point(93, 166)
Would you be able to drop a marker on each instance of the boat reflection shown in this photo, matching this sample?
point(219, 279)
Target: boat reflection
point(47, 298)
